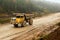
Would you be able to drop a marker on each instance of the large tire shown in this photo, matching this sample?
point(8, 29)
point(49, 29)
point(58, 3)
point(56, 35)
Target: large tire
point(30, 21)
point(15, 25)
point(23, 24)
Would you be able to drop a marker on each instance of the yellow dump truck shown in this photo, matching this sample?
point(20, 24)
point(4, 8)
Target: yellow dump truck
point(21, 20)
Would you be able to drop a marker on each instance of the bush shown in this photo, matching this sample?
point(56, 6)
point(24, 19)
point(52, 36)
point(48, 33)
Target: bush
point(4, 20)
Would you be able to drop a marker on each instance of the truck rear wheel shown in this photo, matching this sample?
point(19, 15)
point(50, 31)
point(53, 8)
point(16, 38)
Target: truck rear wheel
point(15, 25)
point(30, 22)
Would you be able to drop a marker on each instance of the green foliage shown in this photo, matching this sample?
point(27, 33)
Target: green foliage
point(17, 6)
point(43, 37)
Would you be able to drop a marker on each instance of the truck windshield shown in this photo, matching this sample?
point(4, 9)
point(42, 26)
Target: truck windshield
point(19, 16)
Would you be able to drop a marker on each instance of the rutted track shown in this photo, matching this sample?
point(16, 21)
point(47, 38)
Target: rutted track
point(39, 25)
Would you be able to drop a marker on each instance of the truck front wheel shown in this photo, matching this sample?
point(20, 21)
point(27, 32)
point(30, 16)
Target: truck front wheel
point(23, 24)
point(15, 25)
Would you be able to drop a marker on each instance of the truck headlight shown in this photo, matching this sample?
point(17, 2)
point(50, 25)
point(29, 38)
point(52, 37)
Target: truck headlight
point(13, 19)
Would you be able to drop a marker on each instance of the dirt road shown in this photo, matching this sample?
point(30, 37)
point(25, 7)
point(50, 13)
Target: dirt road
point(8, 32)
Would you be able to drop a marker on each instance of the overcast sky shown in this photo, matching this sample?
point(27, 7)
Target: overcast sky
point(56, 1)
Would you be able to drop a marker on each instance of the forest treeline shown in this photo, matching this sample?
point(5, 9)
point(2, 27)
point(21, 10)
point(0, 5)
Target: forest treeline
point(10, 6)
